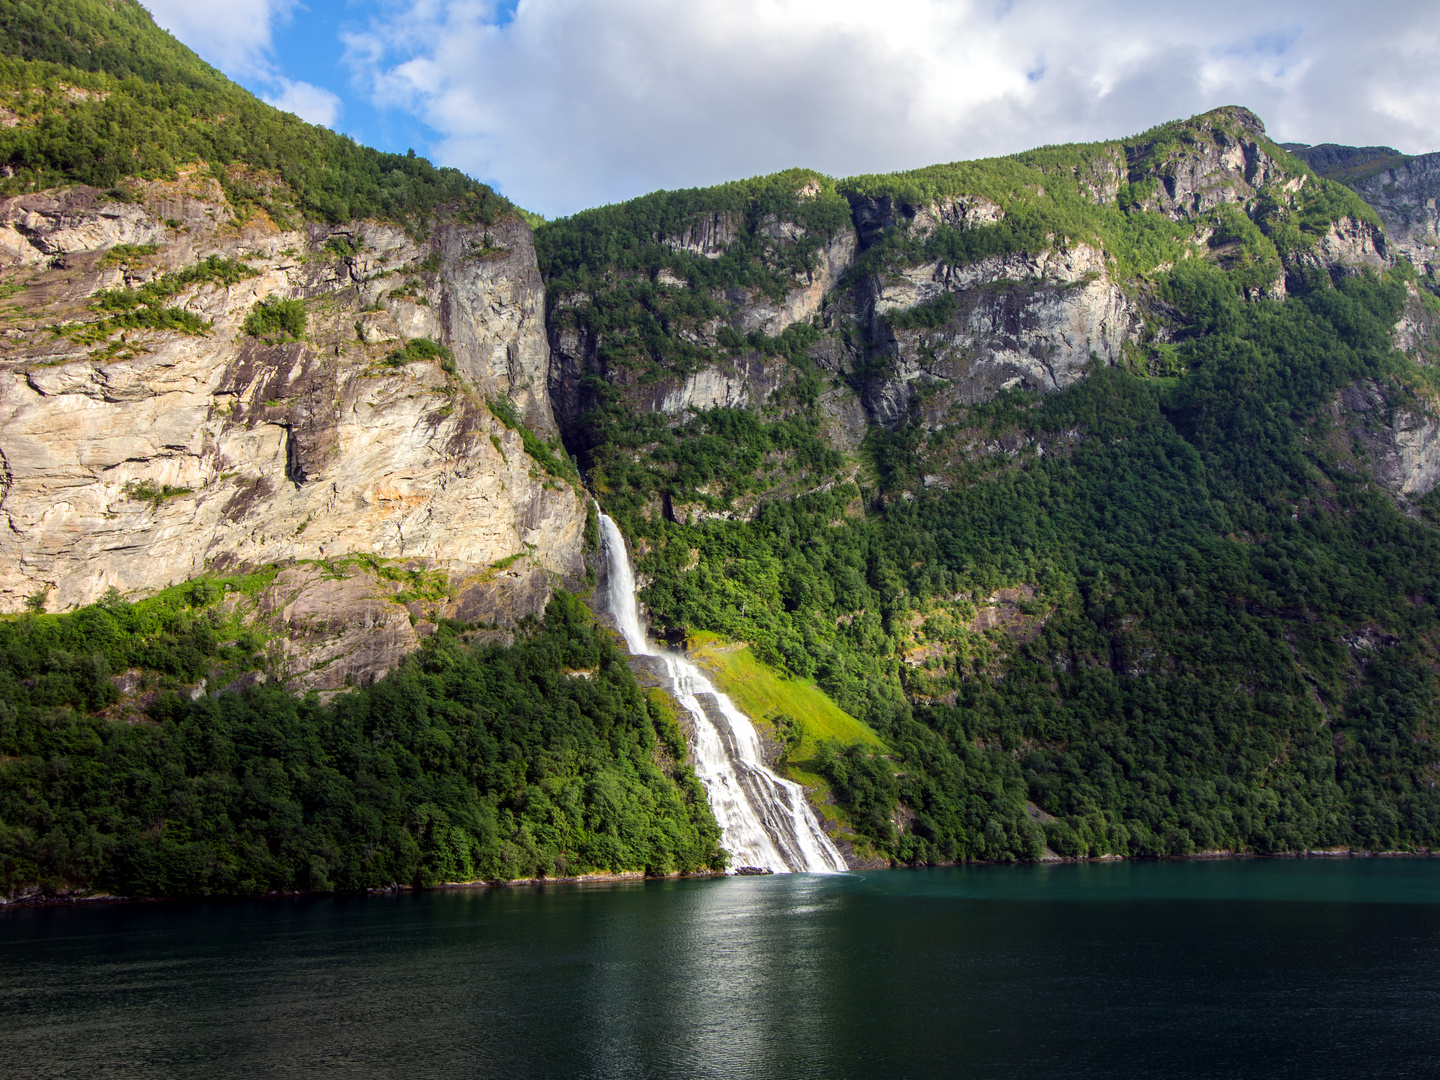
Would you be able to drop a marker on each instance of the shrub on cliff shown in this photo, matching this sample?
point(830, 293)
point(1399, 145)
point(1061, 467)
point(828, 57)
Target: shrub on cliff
point(276, 318)
point(422, 350)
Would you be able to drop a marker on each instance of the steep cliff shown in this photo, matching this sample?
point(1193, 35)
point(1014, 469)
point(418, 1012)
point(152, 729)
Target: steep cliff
point(916, 295)
point(1403, 190)
point(1022, 272)
point(689, 300)
point(138, 454)
point(1086, 476)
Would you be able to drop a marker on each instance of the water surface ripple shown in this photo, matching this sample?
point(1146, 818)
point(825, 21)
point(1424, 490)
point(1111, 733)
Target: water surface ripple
point(1247, 968)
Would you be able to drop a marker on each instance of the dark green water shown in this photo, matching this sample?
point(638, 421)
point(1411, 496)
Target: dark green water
point(1257, 968)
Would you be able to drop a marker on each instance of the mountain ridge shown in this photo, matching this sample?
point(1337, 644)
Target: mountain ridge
point(1098, 480)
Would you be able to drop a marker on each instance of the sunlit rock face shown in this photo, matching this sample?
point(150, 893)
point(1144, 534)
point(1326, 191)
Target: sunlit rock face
point(1404, 194)
point(1019, 320)
point(909, 338)
point(138, 458)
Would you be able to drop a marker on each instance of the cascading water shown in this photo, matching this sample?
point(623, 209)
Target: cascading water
point(765, 821)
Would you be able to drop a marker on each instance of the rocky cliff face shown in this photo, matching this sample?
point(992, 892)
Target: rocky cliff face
point(138, 454)
point(1398, 441)
point(1018, 320)
point(936, 295)
point(1037, 319)
point(1404, 195)
point(719, 376)
point(1397, 444)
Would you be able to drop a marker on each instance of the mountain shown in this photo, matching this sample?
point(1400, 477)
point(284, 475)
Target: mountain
point(1091, 478)
point(274, 417)
point(1401, 187)
point(159, 427)
point(1098, 481)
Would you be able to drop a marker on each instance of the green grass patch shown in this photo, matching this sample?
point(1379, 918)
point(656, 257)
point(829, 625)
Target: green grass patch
point(796, 712)
point(153, 293)
point(763, 692)
point(416, 583)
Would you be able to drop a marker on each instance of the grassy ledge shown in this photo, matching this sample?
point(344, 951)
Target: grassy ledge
point(764, 693)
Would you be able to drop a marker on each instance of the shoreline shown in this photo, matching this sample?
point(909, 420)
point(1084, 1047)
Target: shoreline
point(634, 876)
point(606, 877)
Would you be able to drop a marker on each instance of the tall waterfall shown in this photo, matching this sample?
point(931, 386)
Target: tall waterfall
point(765, 821)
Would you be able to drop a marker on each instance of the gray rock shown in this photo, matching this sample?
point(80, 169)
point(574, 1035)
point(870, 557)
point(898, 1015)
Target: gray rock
point(258, 452)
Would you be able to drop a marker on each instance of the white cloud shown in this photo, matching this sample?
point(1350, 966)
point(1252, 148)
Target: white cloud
point(234, 35)
point(571, 103)
point(311, 103)
point(237, 37)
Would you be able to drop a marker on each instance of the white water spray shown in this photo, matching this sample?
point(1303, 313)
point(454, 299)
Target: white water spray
point(764, 820)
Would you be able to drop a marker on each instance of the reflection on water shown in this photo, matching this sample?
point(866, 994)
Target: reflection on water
point(1293, 968)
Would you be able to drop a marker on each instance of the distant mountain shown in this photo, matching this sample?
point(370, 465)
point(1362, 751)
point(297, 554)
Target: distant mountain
point(1340, 162)
point(1402, 188)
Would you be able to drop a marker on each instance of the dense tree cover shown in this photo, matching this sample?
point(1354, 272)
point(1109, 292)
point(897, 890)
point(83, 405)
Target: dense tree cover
point(465, 762)
point(102, 94)
point(634, 277)
point(650, 232)
point(1238, 642)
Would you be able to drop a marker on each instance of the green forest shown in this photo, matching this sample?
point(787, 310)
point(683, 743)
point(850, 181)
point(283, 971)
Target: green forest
point(1218, 632)
point(105, 96)
point(468, 761)
point(1232, 640)
point(1202, 555)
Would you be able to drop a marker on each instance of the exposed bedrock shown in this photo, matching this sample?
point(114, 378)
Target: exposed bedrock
point(138, 458)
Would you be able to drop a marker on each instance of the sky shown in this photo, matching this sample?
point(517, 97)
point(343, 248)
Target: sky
point(566, 104)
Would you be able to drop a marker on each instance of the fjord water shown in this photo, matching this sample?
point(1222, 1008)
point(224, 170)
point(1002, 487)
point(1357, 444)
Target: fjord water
point(764, 820)
point(1245, 968)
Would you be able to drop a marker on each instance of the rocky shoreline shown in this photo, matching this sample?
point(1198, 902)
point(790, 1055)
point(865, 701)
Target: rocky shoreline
point(631, 876)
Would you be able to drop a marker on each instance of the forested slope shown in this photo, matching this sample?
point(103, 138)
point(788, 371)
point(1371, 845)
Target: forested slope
point(96, 94)
point(467, 762)
point(1169, 577)
point(1098, 480)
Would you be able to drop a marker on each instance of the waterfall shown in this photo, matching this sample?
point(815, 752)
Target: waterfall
point(765, 821)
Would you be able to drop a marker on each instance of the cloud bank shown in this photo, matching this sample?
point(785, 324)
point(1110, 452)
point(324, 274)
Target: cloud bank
point(570, 103)
point(565, 104)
